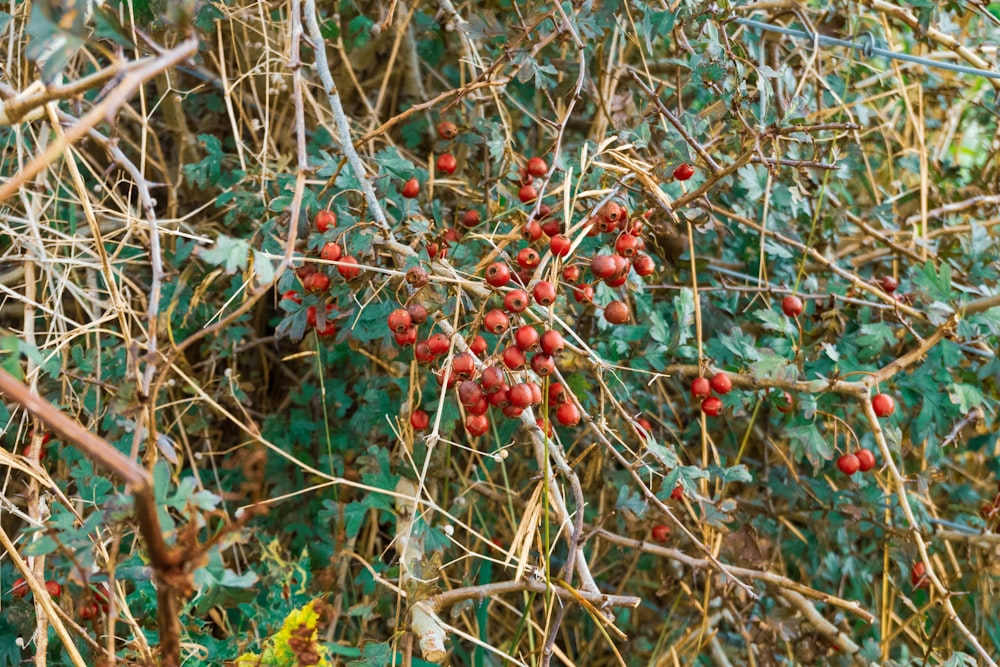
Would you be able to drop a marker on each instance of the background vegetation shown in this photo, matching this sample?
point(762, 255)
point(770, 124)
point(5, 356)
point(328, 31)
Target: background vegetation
point(163, 165)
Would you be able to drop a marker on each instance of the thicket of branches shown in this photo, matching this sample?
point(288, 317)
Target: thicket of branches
point(225, 439)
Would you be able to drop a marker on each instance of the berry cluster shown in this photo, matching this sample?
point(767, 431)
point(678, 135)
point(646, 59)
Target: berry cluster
point(862, 460)
point(702, 388)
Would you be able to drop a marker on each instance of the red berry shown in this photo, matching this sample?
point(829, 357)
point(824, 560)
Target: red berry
point(661, 533)
point(291, 295)
point(469, 392)
point(516, 301)
point(617, 281)
point(305, 271)
point(677, 493)
point(498, 399)
point(491, 379)
point(571, 274)
point(496, 321)
point(526, 338)
point(420, 420)
point(537, 166)
point(616, 312)
point(849, 464)
point(883, 405)
point(557, 393)
point(329, 329)
point(477, 425)
point(543, 212)
point(422, 353)
point(918, 575)
point(520, 395)
point(512, 411)
point(316, 283)
point(447, 130)
point(603, 266)
point(446, 163)
point(543, 365)
point(644, 265)
point(331, 252)
point(560, 245)
point(438, 343)
point(418, 314)
point(53, 587)
point(552, 342)
point(532, 231)
point(480, 407)
point(889, 284)
point(544, 293)
point(513, 358)
point(20, 588)
point(527, 258)
point(497, 274)
point(541, 427)
point(463, 365)
point(527, 194)
point(568, 414)
point(399, 320)
point(583, 293)
point(552, 227)
point(471, 218)
point(477, 345)
point(88, 610)
point(791, 305)
point(407, 336)
point(626, 245)
point(788, 403)
point(411, 189)
point(349, 272)
point(683, 172)
point(701, 387)
point(721, 383)
point(866, 459)
point(325, 220)
point(645, 425)
point(711, 406)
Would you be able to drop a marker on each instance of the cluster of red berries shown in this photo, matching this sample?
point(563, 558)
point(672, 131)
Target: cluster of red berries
point(316, 281)
point(862, 460)
point(536, 167)
point(20, 588)
point(702, 388)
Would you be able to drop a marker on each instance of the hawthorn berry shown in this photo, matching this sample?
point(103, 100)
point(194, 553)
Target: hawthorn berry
point(469, 392)
point(325, 220)
point(497, 274)
point(544, 293)
point(721, 383)
point(552, 227)
point(532, 231)
point(418, 314)
point(317, 283)
point(626, 245)
point(88, 610)
point(540, 423)
point(543, 212)
point(543, 364)
point(849, 464)
point(568, 414)
point(557, 393)
point(406, 337)
point(617, 281)
point(603, 266)
point(660, 533)
point(571, 274)
point(883, 405)
point(491, 379)
point(583, 293)
point(527, 194)
point(616, 312)
point(422, 352)
point(20, 588)
point(496, 321)
point(438, 343)
point(477, 345)
point(513, 357)
point(520, 395)
point(683, 172)
point(471, 218)
point(512, 411)
point(866, 459)
point(526, 338)
point(645, 425)
point(677, 493)
point(560, 245)
point(498, 399)
point(889, 284)
point(331, 252)
point(349, 272)
point(411, 189)
point(447, 130)
point(552, 342)
point(328, 330)
point(527, 258)
point(536, 393)
point(462, 365)
point(399, 320)
point(446, 163)
point(537, 166)
point(644, 265)
point(480, 407)
point(711, 406)
point(292, 295)
point(420, 420)
point(791, 306)
point(516, 301)
point(918, 575)
point(305, 271)
point(701, 387)
point(477, 425)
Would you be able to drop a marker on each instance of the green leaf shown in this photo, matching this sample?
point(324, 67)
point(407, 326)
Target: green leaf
point(231, 253)
point(807, 441)
point(966, 396)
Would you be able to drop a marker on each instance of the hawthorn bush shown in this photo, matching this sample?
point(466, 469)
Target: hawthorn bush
point(499, 333)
